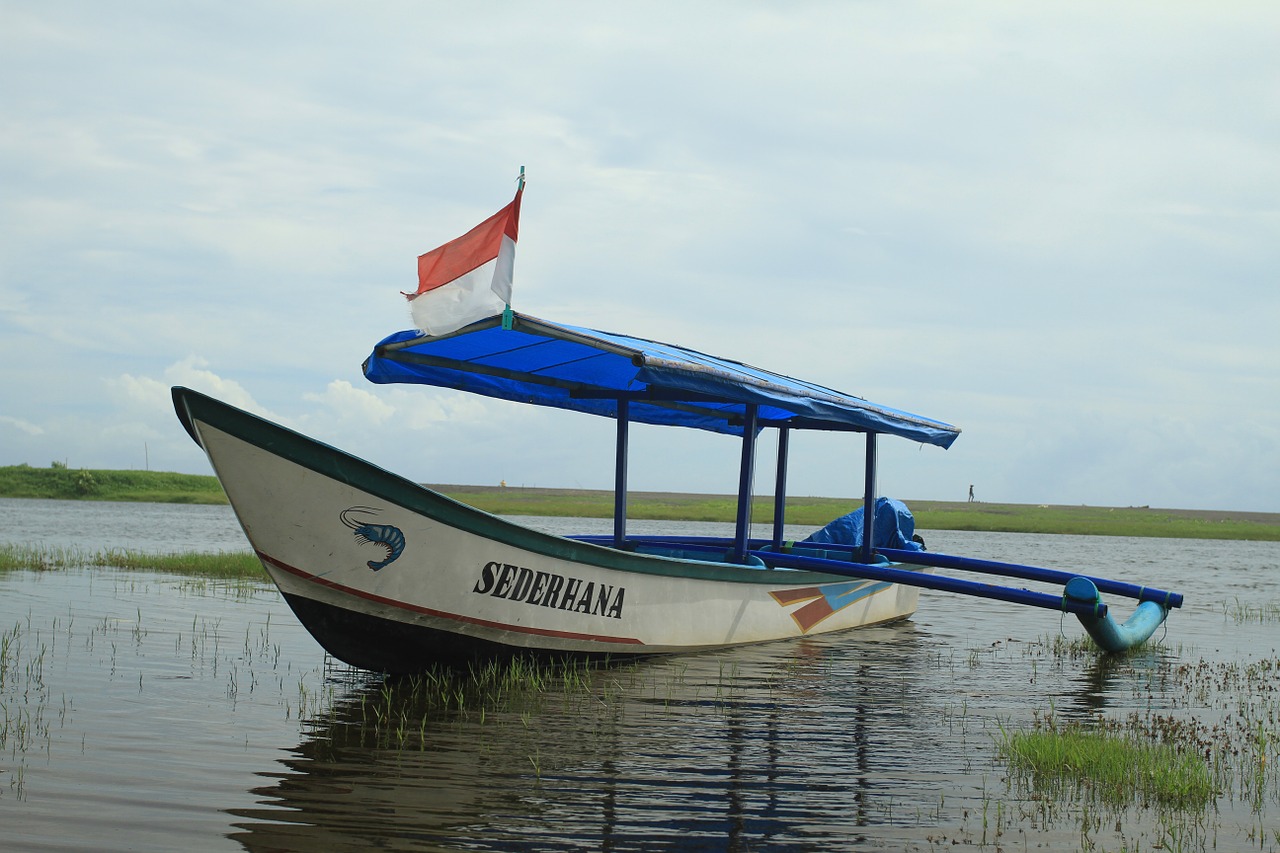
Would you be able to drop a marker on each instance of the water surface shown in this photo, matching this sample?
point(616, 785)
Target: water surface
point(163, 713)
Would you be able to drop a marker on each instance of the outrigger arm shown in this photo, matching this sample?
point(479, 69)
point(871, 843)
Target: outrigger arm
point(1080, 596)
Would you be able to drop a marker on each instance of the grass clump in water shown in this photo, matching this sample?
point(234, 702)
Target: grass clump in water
point(1241, 612)
point(403, 712)
point(221, 564)
point(1113, 769)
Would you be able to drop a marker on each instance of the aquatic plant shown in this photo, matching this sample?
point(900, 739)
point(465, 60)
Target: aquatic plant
point(1241, 612)
point(221, 564)
point(1115, 769)
point(26, 722)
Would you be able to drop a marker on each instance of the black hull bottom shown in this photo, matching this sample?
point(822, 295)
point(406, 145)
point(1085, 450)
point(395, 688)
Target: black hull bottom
point(384, 645)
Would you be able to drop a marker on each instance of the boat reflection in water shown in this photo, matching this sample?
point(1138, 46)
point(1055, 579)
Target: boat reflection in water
point(795, 743)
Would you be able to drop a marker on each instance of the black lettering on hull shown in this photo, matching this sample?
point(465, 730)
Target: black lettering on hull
point(547, 589)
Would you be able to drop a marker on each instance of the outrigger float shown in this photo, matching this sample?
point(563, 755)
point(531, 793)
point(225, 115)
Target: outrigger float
point(392, 576)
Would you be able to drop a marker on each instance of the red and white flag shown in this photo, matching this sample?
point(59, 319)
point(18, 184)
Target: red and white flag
point(469, 278)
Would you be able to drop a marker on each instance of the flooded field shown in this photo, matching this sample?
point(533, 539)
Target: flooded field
point(153, 712)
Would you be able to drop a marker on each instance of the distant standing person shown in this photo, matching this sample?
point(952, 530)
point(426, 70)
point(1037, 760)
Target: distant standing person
point(971, 493)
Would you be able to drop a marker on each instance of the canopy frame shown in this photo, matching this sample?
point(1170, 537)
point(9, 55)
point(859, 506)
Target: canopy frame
point(523, 358)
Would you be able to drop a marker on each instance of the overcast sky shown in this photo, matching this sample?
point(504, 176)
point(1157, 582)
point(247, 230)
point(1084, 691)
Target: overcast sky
point(1056, 226)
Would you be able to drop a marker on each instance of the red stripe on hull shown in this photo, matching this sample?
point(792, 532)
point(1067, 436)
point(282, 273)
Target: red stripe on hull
point(791, 596)
point(812, 613)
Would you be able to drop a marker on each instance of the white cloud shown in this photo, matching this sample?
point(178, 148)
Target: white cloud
point(348, 403)
point(151, 394)
point(20, 425)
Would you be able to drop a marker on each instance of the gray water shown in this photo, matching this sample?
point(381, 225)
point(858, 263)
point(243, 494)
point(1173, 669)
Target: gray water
point(151, 712)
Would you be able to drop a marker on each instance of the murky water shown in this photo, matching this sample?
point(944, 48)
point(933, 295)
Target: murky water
point(149, 712)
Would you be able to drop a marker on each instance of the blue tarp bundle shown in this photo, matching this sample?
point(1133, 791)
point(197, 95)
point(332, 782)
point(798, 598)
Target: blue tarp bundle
point(892, 527)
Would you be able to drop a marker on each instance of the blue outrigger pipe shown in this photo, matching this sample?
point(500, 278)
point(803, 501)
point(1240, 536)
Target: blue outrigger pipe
point(1094, 608)
point(1080, 595)
point(879, 571)
point(1168, 600)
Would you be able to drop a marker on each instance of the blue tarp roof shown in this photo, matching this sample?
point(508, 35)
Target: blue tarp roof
point(569, 367)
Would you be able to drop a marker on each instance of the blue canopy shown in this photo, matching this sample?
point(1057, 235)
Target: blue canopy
point(569, 367)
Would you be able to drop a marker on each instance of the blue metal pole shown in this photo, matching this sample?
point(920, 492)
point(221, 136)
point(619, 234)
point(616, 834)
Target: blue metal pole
point(1036, 573)
point(620, 475)
point(745, 474)
point(780, 487)
point(907, 577)
point(869, 500)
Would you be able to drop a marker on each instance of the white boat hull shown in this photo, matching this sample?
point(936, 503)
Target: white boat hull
point(391, 576)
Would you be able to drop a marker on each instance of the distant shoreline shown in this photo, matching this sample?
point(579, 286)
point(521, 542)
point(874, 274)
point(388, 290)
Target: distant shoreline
point(929, 515)
point(62, 483)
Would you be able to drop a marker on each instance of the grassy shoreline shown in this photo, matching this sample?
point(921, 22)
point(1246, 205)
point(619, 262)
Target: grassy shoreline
point(62, 483)
point(929, 515)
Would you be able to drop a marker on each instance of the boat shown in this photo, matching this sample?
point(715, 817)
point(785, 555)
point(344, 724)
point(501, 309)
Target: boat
point(392, 576)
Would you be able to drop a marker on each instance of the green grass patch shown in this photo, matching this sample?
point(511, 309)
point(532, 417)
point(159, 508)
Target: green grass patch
point(62, 483)
point(223, 564)
point(929, 515)
point(1115, 770)
point(1096, 521)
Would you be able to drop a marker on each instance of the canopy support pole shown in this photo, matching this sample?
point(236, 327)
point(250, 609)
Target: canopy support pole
point(745, 475)
point(620, 474)
point(869, 500)
point(780, 487)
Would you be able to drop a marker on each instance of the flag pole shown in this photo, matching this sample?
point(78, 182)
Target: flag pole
point(508, 319)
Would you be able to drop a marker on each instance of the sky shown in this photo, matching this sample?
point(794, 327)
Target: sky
point(1056, 226)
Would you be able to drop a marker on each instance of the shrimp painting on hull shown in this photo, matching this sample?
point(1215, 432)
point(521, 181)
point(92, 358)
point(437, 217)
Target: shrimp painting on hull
point(384, 535)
